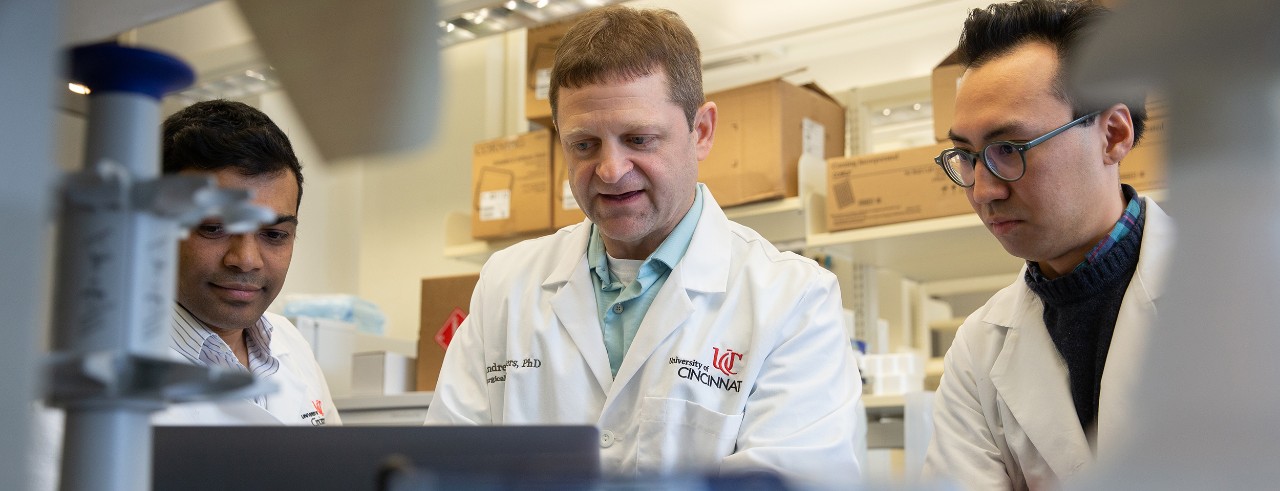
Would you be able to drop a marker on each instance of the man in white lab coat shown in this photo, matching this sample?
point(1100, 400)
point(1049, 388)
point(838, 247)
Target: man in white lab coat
point(691, 342)
point(226, 281)
point(1037, 384)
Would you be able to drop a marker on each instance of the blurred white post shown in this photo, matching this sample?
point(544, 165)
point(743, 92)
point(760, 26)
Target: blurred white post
point(29, 30)
point(1205, 412)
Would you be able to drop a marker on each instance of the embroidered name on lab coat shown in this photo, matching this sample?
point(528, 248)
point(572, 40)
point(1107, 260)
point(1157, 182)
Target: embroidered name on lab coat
point(497, 372)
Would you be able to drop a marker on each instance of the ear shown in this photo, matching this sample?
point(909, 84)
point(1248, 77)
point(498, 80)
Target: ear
point(1117, 126)
point(704, 129)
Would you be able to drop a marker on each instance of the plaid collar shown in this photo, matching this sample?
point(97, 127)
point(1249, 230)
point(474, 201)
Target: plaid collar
point(1128, 220)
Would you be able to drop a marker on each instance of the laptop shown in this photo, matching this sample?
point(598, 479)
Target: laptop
point(369, 457)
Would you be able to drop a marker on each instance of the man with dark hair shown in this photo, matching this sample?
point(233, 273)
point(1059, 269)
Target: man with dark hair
point(1025, 401)
point(690, 341)
point(226, 281)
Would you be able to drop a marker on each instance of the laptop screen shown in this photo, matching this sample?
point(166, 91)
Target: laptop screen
point(355, 457)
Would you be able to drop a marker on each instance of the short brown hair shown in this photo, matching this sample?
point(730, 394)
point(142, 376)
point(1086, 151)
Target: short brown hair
point(618, 42)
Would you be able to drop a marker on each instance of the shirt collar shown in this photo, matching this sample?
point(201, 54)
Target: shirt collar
point(187, 334)
point(668, 253)
point(1128, 219)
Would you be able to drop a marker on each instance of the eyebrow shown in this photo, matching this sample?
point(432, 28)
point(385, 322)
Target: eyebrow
point(1004, 129)
point(646, 126)
point(285, 219)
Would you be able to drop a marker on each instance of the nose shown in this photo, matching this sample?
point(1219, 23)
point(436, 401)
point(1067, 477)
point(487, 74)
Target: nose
point(987, 187)
point(243, 253)
point(614, 163)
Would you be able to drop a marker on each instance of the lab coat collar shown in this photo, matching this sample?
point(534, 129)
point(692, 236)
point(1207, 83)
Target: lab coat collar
point(279, 349)
point(1122, 378)
point(571, 281)
point(1032, 378)
point(704, 268)
point(1154, 255)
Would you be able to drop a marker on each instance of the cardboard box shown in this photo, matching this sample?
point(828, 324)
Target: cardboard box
point(761, 132)
point(511, 185)
point(906, 185)
point(890, 187)
point(564, 208)
point(540, 50)
point(445, 302)
point(946, 76)
point(1145, 166)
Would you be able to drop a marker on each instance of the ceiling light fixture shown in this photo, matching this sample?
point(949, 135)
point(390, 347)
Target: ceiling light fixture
point(506, 15)
point(236, 84)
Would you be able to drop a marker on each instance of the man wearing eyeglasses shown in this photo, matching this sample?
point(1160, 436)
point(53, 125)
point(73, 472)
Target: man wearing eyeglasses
point(1036, 384)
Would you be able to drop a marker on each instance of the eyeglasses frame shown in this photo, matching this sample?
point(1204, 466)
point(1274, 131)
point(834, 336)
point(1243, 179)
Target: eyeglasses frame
point(1020, 147)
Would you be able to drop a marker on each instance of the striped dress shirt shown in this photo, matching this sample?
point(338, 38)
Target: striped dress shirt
point(199, 344)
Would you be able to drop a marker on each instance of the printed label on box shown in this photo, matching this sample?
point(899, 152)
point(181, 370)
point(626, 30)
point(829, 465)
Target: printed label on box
point(444, 336)
point(495, 205)
point(542, 84)
point(814, 138)
point(566, 197)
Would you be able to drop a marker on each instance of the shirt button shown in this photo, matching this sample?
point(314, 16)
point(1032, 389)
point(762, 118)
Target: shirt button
point(617, 308)
point(606, 439)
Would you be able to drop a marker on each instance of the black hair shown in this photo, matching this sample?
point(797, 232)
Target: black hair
point(1000, 28)
point(219, 134)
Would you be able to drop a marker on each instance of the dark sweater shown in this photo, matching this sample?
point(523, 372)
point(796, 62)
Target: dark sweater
point(1080, 310)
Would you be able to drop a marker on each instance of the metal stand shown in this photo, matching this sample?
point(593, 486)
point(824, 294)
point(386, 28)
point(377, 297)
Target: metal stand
point(117, 241)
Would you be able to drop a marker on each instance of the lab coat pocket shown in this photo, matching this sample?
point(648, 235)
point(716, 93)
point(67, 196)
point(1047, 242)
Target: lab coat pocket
point(681, 436)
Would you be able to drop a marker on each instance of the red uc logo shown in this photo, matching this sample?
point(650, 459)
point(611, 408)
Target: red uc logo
point(724, 362)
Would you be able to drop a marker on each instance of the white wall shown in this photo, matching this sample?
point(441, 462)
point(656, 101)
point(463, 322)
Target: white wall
point(406, 197)
point(325, 256)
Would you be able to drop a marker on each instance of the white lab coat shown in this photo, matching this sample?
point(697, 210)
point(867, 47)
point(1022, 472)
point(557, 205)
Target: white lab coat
point(532, 352)
point(301, 386)
point(1004, 417)
point(302, 396)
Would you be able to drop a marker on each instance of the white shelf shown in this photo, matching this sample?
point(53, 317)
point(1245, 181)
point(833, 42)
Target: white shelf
point(458, 243)
point(765, 209)
point(879, 401)
point(936, 251)
point(929, 250)
point(778, 220)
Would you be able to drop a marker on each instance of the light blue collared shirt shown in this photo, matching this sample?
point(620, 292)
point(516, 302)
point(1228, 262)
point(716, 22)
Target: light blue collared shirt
point(622, 310)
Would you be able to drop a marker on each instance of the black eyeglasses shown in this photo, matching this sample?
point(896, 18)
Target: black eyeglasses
point(1005, 159)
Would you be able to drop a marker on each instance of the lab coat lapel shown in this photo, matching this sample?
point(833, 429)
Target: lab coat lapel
point(1031, 378)
point(704, 268)
point(575, 306)
point(289, 390)
point(1134, 330)
point(670, 308)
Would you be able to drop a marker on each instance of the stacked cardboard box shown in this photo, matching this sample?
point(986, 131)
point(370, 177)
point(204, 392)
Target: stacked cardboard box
point(511, 185)
point(564, 209)
point(906, 185)
point(521, 187)
point(541, 44)
point(890, 187)
point(445, 303)
point(761, 132)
